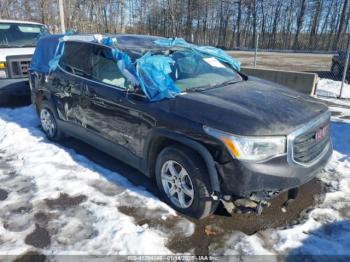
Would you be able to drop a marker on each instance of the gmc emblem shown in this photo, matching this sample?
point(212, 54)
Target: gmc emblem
point(322, 133)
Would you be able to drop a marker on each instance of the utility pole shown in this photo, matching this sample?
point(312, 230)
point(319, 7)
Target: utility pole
point(256, 48)
point(63, 27)
point(256, 33)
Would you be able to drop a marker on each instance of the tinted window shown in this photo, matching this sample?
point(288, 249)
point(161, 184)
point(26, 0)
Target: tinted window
point(76, 58)
point(138, 40)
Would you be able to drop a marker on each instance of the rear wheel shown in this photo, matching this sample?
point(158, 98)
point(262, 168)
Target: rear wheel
point(183, 181)
point(48, 122)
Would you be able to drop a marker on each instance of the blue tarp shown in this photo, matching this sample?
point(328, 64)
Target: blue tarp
point(124, 62)
point(44, 52)
point(208, 50)
point(50, 49)
point(153, 73)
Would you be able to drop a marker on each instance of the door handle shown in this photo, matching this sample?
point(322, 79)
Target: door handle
point(98, 101)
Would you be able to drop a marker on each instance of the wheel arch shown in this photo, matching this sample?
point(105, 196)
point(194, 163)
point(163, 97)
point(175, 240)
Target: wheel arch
point(159, 139)
point(40, 96)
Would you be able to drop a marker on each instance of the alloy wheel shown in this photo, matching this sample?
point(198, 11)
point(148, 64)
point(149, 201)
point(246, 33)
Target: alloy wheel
point(177, 184)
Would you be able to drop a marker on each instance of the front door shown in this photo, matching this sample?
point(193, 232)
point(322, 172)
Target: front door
point(107, 110)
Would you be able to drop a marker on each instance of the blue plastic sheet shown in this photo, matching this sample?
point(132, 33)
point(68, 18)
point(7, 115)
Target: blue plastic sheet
point(44, 52)
point(152, 71)
point(124, 62)
point(50, 49)
point(208, 50)
point(109, 41)
point(53, 63)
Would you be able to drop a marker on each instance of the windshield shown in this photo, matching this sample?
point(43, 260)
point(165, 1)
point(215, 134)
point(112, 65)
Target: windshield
point(20, 35)
point(193, 70)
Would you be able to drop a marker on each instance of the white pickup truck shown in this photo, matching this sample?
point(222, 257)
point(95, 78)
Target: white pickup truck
point(17, 44)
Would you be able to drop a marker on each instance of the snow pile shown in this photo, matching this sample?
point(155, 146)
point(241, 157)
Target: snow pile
point(56, 200)
point(330, 88)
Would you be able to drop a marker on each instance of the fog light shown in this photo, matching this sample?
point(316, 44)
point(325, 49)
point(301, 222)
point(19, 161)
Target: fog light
point(2, 65)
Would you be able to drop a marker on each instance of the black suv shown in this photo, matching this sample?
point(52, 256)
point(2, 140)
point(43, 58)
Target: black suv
point(226, 137)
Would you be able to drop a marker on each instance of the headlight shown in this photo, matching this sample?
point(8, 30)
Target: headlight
point(250, 148)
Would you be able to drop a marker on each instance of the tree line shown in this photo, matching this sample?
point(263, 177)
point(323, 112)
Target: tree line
point(231, 24)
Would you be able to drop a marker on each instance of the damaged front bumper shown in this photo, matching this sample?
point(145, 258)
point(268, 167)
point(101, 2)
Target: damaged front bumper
point(250, 186)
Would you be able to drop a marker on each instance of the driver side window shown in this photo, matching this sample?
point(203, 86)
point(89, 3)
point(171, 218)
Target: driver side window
point(105, 68)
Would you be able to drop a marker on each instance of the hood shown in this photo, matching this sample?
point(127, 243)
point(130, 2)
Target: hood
point(4, 52)
point(252, 107)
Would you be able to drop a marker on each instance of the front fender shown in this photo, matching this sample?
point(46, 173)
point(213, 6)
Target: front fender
point(182, 139)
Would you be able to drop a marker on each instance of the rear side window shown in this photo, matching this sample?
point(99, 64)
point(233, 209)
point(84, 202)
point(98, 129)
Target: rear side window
point(76, 58)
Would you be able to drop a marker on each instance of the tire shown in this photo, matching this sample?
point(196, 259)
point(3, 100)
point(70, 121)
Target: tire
point(193, 171)
point(48, 122)
point(336, 70)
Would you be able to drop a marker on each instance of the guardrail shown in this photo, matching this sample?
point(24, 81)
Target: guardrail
point(299, 81)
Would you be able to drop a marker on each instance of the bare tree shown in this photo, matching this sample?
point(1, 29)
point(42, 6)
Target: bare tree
point(300, 21)
point(297, 24)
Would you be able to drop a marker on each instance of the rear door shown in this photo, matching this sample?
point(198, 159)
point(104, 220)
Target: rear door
point(68, 79)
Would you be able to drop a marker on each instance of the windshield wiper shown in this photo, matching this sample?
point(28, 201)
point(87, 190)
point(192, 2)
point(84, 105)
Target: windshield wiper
point(197, 89)
point(228, 82)
point(202, 88)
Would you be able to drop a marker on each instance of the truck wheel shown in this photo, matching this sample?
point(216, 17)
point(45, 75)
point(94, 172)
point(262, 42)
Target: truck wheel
point(183, 181)
point(336, 70)
point(48, 122)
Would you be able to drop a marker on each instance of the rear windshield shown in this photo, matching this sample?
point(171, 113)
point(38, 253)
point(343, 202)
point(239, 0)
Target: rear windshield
point(193, 70)
point(20, 35)
point(145, 42)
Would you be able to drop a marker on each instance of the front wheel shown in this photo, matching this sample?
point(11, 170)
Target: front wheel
point(183, 181)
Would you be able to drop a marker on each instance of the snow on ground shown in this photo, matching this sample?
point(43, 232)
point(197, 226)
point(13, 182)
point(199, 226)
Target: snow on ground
point(325, 229)
point(56, 200)
point(330, 88)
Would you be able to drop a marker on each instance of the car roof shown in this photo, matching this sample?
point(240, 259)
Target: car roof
point(19, 22)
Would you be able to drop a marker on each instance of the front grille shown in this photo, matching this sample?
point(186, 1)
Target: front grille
point(309, 145)
point(18, 66)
